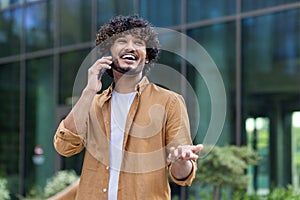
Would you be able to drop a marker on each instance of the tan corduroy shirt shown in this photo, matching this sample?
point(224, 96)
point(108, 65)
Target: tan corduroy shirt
point(157, 120)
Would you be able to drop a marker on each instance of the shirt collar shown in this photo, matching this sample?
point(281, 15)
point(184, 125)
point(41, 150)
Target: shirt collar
point(141, 85)
point(138, 88)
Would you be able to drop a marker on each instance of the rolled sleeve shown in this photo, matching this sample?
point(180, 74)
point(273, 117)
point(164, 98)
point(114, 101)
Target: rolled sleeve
point(188, 180)
point(66, 142)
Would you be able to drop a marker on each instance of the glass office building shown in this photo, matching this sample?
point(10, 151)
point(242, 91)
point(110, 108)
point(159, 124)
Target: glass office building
point(255, 45)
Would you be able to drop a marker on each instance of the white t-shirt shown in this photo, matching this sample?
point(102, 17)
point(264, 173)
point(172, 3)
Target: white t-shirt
point(120, 106)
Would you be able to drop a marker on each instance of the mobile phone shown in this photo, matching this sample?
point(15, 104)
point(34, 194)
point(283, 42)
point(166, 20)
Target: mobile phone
point(103, 70)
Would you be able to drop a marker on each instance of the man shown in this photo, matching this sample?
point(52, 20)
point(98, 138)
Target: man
point(134, 131)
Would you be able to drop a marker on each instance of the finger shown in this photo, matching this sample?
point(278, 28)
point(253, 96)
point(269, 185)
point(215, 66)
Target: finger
point(107, 59)
point(103, 60)
point(196, 148)
point(186, 155)
point(193, 156)
point(100, 66)
point(96, 70)
point(171, 156)
point(106, 66)
point(172, 150)
point(180, 151)
point(175, 153)
point(190, 156)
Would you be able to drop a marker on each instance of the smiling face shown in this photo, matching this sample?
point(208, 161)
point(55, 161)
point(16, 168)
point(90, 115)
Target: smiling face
point(129, 54)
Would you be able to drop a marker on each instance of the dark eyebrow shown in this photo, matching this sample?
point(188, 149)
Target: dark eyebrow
point(122, 36)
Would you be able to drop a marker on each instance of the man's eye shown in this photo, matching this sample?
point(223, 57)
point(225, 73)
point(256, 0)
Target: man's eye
point(122, 41)
point(139, 42)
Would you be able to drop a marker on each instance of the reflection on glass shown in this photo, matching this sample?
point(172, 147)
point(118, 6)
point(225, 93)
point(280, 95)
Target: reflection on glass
point(33, 0)
point(110, 8)
point(40, 112)
point(271, 71)
point(248, 5)
point(10, 32)
point(75, 21)
point(39, 26)
point(258, 139)
point(203, 9)
point(296, 149)
point(161, 13)
point(219, 42)
point(6, 3)
point(69, 67)
point(271, 53)
point(9, 123)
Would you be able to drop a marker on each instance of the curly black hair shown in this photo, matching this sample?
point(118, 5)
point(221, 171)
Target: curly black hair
point(135, 25)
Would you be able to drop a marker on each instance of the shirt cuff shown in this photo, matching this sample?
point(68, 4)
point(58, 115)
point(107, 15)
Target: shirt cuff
point(65, 134)
point(66, 142)
point(188, 180)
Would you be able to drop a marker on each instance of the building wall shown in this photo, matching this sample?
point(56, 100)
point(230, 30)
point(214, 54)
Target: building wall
point(254, 44)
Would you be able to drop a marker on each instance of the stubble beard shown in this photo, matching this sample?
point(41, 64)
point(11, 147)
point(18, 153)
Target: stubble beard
point(126, 70)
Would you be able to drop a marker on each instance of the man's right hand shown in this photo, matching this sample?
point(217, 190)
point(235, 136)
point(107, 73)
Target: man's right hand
point(94, 83)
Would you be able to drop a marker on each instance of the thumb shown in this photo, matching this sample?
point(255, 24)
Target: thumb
point(197, 148)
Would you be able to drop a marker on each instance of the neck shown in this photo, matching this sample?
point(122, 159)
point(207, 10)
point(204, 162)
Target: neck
point(126, 83)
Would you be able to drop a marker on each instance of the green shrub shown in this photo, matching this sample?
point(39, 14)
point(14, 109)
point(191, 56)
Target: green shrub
point(283, 194)
point(60, 181)
point(225, 167)
point(278, 193)
point(54, 185)
point(4, 193)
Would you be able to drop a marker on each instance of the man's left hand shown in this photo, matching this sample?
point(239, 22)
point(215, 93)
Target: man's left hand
point(184, 152)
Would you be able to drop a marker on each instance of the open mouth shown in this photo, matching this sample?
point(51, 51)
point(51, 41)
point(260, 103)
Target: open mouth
point(129, 56)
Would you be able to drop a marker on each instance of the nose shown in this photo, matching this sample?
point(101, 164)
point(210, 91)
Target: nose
point(130, 46)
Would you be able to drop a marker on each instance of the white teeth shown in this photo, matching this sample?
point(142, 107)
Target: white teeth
point(131, 57)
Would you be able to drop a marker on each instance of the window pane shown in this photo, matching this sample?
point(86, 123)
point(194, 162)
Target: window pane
point(271, 50)
point(75, 21)
point(40, 112)
point(295, 148)
point(10, 32)
point(10, 123)
point(270, 86)
point(168, 39)
point(248, 5)
point(6, 3)
point(110, 8)
point(203, 9)
point(39, 26)
point(258, 139)
point(161, 13)
point(69, 65)
point(219, 42)
point(33, 0)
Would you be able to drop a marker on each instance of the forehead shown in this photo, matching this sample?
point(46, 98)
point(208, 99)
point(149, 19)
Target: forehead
point(130, 36)
point(139, 33)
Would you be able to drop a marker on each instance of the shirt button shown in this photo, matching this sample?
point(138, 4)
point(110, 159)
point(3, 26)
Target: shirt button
point(104, 190)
